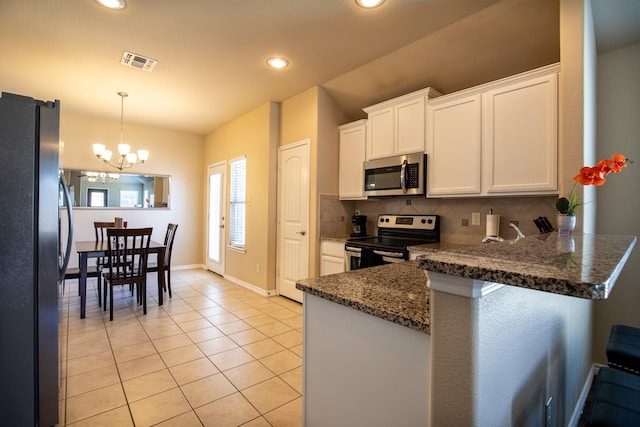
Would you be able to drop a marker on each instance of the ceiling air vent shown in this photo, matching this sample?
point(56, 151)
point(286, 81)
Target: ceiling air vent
point(138, 61)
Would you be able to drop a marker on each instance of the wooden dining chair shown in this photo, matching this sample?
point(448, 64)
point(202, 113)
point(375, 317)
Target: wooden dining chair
point(127, 256)
point(168, 243)
point(100, 230)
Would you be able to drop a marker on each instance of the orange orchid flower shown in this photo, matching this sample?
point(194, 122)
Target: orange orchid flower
point(619, 162)
point(591, 176)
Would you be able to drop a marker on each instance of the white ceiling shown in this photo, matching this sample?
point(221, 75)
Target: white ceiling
point(211, 53)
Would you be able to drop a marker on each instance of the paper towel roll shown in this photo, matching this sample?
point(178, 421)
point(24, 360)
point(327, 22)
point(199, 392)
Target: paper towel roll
point(493, 224)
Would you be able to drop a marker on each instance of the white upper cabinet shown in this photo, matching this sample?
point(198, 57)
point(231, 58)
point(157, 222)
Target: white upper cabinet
point(453, 146)
point(352, 152)
point(496, 139)
point(520, 135)
point(397, 126)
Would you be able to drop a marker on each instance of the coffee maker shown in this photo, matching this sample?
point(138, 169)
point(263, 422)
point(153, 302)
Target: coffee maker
point(359, 223)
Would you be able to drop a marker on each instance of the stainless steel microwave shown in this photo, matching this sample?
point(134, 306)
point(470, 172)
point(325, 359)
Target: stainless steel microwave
point(396, 176)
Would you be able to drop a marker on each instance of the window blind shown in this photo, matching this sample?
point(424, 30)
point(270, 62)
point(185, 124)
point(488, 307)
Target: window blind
point(237, 210)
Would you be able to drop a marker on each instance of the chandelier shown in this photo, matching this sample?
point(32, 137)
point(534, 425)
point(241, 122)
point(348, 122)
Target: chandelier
point(102, 177)
point(126, 158)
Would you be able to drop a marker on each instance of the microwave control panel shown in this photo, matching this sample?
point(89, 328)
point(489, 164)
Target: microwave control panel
point(412, 175)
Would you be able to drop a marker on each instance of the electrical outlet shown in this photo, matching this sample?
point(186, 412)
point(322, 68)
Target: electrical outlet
point(258, 268)
point(475, 218)
point(357, 212)
point(342, 218)
point(465, 222)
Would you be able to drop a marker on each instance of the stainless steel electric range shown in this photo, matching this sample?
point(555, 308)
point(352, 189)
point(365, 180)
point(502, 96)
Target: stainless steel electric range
point(395, 234)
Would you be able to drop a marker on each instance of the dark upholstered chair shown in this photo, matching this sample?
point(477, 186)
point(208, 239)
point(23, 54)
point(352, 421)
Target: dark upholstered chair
point(616, 395)
point(616, 398)
point(127, 258)
point(168, 242)
point(623, 348)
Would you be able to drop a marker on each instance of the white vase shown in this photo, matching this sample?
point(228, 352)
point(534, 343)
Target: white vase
point(565, 223)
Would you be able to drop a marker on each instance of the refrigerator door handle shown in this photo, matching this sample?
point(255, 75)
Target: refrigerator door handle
point(67, 253)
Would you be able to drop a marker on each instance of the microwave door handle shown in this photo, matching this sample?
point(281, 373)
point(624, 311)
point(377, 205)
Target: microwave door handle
point(403, 176)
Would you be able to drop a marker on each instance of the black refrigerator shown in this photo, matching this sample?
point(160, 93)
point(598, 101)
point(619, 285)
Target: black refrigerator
point(29, 265)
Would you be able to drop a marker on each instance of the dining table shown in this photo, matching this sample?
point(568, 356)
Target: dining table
point(97, 249)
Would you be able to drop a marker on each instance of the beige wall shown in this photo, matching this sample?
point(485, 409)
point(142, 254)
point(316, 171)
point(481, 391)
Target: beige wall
point(253, 135)
point(171, 153)
point(618, 204)
point(257, 134)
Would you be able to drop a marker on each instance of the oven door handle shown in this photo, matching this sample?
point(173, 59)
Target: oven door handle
point(392, 260)
point(403, 176)
point(352, 249)
point(389, 254)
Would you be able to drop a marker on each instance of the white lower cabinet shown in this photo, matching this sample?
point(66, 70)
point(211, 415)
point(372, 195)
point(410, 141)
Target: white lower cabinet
point(497, 139)
point(360, 370)
point(331, 257)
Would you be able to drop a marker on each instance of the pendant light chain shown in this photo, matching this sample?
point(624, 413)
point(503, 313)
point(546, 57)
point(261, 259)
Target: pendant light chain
point(122, 96)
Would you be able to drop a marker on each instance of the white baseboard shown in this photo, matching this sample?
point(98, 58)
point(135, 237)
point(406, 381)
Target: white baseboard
point(251, 287)
point(577, 411)
point(232, 279)
point(188, 267)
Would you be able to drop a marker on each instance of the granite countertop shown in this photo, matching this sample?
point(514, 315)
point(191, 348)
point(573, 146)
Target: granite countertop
point(394, 292)
point(342, 238)
point(578, 265)
point(436, 247)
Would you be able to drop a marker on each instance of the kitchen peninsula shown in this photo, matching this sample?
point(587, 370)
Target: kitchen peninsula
point(488, 354)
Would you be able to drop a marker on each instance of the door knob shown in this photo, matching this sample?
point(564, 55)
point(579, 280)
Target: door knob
point(221, 225)
point(301, 232)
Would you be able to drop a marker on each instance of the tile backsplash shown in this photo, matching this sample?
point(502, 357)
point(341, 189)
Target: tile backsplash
point(335, 214)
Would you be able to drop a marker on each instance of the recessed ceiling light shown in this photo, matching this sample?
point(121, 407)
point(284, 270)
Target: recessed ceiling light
point(277, 62)
point(113, 4)
point(369, 4)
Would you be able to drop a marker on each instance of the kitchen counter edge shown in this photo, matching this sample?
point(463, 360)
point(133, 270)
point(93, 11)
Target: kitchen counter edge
point(394, 292)
point(577, 265)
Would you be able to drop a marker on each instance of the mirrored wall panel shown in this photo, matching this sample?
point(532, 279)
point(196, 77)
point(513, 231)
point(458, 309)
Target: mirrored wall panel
point(99, 189)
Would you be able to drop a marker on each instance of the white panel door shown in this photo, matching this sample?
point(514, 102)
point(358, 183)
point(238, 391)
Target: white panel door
point(293, 217)
point(216, 214)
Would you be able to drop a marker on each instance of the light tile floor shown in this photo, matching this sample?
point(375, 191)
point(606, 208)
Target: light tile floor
point(215, 354)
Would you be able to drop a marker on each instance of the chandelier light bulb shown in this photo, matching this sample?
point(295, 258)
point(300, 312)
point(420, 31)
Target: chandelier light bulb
point(98, 149)
point(124, 149)
point(132, 158)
